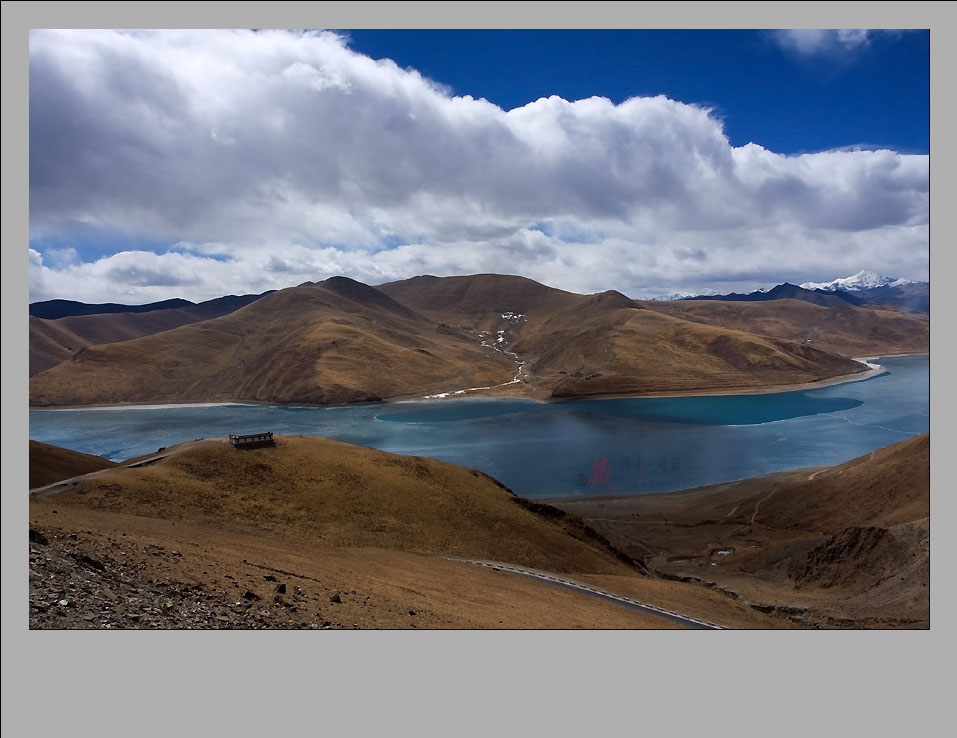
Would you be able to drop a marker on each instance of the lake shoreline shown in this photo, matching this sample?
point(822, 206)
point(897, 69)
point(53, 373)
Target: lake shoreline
point(492, 395)
point(538, 449)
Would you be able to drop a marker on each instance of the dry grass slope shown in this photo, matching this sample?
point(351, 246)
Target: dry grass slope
point(607, 344)
point(55, 341)
point(214, 537)
point(334, 342)
point(338, 495)
point(49, 464)
point(839, 546)
point(848, 331)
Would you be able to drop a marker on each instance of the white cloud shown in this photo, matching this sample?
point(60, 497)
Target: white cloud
point(267, 159)
point(813, 41)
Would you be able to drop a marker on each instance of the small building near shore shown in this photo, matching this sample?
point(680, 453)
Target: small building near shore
point(252, 440)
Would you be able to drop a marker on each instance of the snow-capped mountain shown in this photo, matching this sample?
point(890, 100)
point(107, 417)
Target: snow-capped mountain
point(877, 289)
point(681, 295)
point(863, 280)
point(863, 288)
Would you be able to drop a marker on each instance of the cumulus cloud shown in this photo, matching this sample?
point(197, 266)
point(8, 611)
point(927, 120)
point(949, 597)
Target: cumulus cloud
point(268, 158)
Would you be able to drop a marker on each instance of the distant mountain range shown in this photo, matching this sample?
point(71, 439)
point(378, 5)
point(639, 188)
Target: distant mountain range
point(789, 291)
point(863, 280)
point(876, 289)
point(863, 288)
point(53, 309)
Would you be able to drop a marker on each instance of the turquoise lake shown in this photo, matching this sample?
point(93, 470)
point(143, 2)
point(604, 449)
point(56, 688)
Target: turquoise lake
point(625, 446)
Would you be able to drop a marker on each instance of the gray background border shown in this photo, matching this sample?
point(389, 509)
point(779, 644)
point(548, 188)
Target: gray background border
point(452, 683)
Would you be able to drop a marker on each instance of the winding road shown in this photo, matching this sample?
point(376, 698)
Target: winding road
point(557, 581)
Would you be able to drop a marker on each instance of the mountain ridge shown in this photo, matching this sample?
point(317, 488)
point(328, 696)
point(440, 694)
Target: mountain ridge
point(863, 280)
point(786, 291)
point(57, 308)
point(342, 341)
point(877, 289)
point(56, 339)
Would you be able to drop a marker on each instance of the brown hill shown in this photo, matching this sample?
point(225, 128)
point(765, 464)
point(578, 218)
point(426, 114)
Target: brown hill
point(849, 331)
point(317, 533)
point(51, 344)
point(846, 545)
point(339, 495)
point(334, 342)
point(49, 464)
point(53, 341)
point(604, 348)
point(479, 297)
point(607, 344)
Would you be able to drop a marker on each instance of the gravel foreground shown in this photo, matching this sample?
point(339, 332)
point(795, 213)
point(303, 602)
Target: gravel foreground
point(76, 583)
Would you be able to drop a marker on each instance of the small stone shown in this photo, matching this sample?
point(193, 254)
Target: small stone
point(281, 589)
point(411, 612)
point(63, 603)
point(37, 537)
point(269, 578)
point(250, 595)
point(90, 561)
point(335, 598)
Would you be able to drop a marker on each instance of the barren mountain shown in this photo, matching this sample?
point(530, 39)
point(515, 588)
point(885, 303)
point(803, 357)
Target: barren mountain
point(342, 341)
point(55, 338)
point(480, 298)
point(846, 545)
point(607, 344)
point(605, 347)
point(333, 342)
point(849, 331)
point(54, 309)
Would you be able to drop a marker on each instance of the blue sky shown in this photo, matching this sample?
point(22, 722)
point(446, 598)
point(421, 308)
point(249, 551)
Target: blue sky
point(199, 163)
point(875, 93)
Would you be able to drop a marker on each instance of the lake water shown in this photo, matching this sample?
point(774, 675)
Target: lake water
point(626, 446)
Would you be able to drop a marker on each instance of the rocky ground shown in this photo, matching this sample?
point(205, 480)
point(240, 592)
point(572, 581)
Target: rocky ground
point(78, 582)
